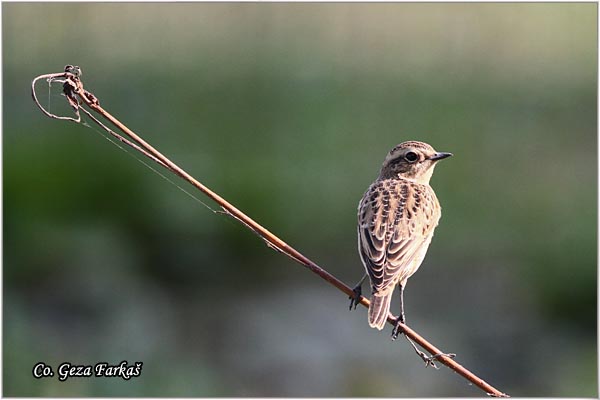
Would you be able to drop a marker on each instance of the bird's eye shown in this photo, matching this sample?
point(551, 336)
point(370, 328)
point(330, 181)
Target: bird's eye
point(411, 156)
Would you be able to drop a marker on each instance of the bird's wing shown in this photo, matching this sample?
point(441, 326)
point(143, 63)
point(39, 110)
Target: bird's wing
point(395, 230)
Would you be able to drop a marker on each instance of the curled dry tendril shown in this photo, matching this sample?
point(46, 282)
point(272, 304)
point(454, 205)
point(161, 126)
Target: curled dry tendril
point(78, 97)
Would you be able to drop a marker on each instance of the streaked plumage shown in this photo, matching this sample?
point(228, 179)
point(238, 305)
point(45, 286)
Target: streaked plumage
point(396, 220)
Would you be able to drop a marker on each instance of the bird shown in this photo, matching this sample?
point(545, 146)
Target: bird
point(397, 217)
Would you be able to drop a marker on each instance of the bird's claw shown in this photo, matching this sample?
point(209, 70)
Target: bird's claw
point(355, 298)
point(397, 328)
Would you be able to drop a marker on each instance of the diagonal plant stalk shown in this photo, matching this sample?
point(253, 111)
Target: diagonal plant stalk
point(77, 96)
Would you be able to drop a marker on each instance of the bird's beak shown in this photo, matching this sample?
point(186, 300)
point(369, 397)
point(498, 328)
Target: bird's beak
point(440, 156)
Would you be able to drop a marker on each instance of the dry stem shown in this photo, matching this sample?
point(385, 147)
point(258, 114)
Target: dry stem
point(77, 96)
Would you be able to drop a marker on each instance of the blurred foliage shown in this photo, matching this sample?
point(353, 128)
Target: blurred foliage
point(287, 110)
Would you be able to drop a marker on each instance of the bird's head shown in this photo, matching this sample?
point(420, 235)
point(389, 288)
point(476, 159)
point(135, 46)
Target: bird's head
point(411, 160)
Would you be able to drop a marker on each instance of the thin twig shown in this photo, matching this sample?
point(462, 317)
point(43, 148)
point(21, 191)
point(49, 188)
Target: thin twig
point(77, 96)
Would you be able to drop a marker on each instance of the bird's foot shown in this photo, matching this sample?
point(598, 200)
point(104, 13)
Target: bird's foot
point(355, 298)
point(397, 328)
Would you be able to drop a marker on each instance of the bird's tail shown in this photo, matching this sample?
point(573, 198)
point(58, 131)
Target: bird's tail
point(379, 309)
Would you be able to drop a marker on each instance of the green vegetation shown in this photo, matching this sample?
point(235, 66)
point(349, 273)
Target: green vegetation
point(287, 110)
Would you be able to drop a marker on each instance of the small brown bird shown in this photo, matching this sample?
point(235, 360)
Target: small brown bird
point(396, 219)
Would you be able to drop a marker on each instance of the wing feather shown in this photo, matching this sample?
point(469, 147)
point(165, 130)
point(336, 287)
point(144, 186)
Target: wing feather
point(396, 223)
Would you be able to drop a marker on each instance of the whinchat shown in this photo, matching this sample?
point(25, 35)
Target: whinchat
point(396, 219)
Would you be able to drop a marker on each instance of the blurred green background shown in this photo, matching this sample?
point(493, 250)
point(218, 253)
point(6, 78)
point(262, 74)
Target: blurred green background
point(287, 110)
